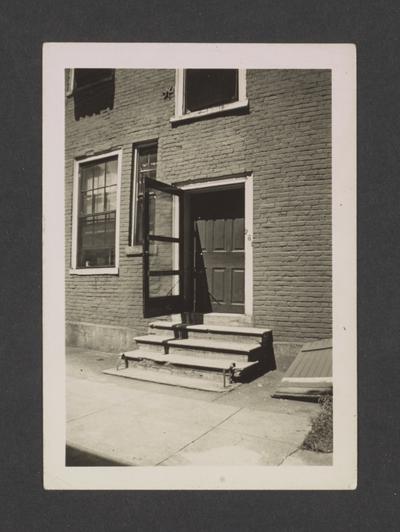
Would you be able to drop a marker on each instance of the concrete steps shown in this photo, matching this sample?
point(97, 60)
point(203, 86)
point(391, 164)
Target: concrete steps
point(216, 353)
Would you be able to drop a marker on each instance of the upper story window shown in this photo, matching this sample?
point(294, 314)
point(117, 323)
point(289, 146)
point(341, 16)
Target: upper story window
point(95, 221)
point(86, 78)
point(200, 92)
point(145, 166)
point(209, 88)
point(92, 89)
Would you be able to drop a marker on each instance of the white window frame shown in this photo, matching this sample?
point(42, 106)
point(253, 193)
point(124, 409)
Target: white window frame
point(112, 270)
point(71, 82)
point(180, 115)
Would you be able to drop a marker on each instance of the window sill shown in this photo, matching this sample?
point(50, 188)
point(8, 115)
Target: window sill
point(242, 104)
point(94, 271)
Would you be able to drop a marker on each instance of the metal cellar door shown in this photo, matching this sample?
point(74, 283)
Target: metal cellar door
point(162, 249)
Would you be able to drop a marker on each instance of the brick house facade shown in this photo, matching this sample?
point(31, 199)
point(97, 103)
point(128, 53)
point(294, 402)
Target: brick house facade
point(280, 136)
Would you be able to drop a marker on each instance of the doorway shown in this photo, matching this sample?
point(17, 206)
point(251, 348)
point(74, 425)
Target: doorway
point(217, 221)
point(197, 248)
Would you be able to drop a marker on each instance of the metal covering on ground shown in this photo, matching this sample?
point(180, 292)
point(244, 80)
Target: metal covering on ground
point(310, 374)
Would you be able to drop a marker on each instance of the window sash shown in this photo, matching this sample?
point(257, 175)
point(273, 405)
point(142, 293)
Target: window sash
point(96, 223)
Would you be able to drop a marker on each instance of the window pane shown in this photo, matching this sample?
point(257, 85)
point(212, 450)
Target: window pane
point(109, 232)
point(98, 200)
point(111, 198)
point(138, 225)
point(208, 88)
point(153, 157)
point(86, 177)
point(86, 235)
point(97, 241)
point(164, 256)
point(97, 258)
point(163, 285)
point(86, 202)
point(152, 213)
point(98, 175)
point(147, 164)
point(146, 167)
point(111, 172)
point(163, 210)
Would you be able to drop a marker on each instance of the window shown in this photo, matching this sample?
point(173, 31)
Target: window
point(145, 166)
point(208, 88)
point(200, 92)
point(96, 214)
point(92, 90)
point(87, 78)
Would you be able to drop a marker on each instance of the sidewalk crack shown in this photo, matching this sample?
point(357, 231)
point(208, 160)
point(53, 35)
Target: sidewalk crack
point(290, 454)
point(198, 438)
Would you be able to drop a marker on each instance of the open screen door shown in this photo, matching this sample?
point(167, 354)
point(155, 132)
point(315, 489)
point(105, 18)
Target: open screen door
point(162, 249)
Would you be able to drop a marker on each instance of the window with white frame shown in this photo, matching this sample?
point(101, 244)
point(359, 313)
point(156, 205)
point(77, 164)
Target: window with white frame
point(145, 166)
point(96, 213)
point(208, 91)
point(82, 79)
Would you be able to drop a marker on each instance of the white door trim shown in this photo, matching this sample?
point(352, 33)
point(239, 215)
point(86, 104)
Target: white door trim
point(248, 245)
point(248, 229)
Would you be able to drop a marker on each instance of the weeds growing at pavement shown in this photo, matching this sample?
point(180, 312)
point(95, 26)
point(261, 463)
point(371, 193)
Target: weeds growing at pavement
point(320, 437)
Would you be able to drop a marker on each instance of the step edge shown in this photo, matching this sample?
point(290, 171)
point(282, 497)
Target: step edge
point(183, 360)
point(239, 331)
point(195, 381)
point(151, 339)
point(229, 329)
point(204, 345)
point(163, 325)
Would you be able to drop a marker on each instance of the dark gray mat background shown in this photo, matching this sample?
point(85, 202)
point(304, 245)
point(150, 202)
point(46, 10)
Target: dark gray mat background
point(373, 26)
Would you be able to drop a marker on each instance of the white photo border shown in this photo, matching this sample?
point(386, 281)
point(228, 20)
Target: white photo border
point(341, 59)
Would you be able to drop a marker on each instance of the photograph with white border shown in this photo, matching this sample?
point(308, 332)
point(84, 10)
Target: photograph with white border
point(199, 266)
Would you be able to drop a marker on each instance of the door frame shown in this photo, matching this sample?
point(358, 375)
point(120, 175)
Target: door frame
point(227, 183)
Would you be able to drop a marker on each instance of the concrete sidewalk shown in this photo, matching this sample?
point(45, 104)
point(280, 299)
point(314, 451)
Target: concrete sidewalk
point(112, 420)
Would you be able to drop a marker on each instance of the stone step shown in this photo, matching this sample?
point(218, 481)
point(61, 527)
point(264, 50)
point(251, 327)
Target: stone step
point(163, 328)
point(185, 360)
point(218, 332)
point(193, 366)
point(184, 381)
point(153, 342)
point(228, 333)
point(209, 349)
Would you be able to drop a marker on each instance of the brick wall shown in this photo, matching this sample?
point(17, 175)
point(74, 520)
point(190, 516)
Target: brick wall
point(284, 139)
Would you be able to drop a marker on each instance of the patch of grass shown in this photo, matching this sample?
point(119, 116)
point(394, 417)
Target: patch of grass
point(320, 437)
